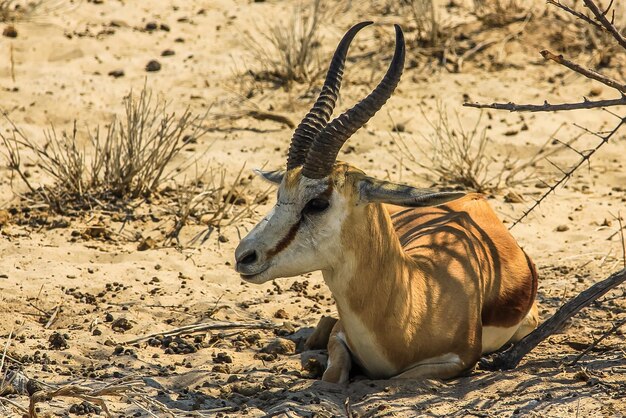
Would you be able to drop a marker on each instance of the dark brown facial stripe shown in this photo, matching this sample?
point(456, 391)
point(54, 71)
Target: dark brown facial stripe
point(283, 243)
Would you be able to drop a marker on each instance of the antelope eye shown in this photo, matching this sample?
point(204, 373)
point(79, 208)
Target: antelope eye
point(316, 205)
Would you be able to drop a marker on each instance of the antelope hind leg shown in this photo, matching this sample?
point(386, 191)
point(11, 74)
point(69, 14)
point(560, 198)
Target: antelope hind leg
point(339, 360)
point(528, 324)
point(442, 367)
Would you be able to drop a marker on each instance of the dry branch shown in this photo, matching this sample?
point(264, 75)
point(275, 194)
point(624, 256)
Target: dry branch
point(190, 329)
point(547, 107)
point(576, 13)
point(601, 17)
point(586, 72)
point(598, 340)
point(510, 358)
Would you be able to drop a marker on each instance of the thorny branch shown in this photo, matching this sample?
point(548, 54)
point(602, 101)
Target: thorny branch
point(547, 107)
point(566, 175)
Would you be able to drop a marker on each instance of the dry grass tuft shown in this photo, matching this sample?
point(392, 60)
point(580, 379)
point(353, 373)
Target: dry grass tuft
point(130, 161)
point(455, 154)
point(21, 10)
point(291, 54)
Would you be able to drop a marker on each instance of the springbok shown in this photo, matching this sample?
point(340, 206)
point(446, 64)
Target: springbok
point(424, 282)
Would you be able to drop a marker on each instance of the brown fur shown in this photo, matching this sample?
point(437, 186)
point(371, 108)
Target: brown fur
point(428, 279)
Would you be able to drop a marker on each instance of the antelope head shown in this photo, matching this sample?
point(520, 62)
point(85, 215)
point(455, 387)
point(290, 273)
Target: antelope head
point(317, 196)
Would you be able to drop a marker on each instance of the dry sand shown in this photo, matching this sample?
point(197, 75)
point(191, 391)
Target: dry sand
point(62, 59)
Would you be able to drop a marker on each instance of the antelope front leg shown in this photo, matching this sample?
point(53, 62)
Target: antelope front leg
point(339, 360)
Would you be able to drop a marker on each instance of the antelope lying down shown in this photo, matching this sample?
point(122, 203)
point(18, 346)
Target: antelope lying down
point(424, 282)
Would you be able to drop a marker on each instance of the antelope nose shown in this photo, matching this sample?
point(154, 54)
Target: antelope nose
point(247, 258)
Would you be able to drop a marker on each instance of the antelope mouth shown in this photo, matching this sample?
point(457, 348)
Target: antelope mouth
point(254, 277)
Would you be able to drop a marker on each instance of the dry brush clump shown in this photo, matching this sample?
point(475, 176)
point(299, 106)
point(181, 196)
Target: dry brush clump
point(285, 51)
point(24, 10)
point(129, 161)
point(451, 153)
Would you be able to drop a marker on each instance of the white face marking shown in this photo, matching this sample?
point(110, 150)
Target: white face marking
point(313, 241)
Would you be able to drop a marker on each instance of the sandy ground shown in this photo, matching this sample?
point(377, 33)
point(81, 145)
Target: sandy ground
point(105, 292)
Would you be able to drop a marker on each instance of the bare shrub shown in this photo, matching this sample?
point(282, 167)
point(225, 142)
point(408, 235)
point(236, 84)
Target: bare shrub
point(290, 56)
point(216, 203)
point(425, 17)
point(455, 154)
point(18, 10)
point(131, 160)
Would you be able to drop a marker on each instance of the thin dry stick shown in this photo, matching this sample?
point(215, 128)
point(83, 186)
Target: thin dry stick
point(576, 13)
point(566, 175)
point(601, 16)
point(598, 340)
point(75, 391)
point(190, 329)
point(510, 358)
point(621, 234)
point(584, 71)
point(547, 107)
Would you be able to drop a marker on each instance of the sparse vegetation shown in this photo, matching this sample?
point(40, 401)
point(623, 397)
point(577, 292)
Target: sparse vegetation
point(131, 160)
point(291, 54)
point(455, 154)
point(215, 203)
point(17, 10)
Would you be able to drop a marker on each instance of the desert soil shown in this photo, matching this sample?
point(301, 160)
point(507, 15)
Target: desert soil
point(103, 292)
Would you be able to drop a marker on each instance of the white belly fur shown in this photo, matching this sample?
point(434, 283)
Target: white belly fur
point(365, 348)
point(496, 337)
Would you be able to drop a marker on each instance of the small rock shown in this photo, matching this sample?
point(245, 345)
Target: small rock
point(153, 65)
point(150, 26)
point(121, 325)
point(281, 314)
point(398, 127)
point(595, 91)
point(247, 388)
point(4, 217)
point(95, 231)
point(285, 329)
point(146, 244)
point(96, 332)
point(108, 317)
point(167, 53)
point(164, 27)
point(562, 228)
point(512, 197)
point(58, 342)
point(221, 368)
point(10, 32)
point(280, 346)
point(222, 358)
point(223, 238)
point(116, 73)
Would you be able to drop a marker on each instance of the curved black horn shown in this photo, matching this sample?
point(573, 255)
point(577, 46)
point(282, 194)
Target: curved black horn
point(322, 110)
point(323, 153)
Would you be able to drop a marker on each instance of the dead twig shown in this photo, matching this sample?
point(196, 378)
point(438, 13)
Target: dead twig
point(547, 107)
point(598, 340)
point(594, 75)
point(82, 392)
point(601, 17)
point(259, 115)
point(190, 329)
point(567, 174)
point(510, 358)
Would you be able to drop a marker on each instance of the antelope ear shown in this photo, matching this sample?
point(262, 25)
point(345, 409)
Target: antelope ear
point(274, 177)
point(373, 190)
